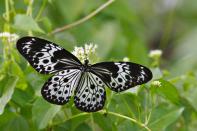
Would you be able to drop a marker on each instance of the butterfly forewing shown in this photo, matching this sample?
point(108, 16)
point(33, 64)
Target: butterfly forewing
point(58, 89)
point(120, 76)
point(90, 93)
point(46, 57)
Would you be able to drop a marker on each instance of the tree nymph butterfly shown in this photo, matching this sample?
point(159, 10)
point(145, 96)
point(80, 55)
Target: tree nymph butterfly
point(70, 77)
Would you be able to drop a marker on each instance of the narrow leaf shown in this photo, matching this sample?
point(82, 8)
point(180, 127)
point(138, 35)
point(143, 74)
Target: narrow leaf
point(165, 120)
point(8, 91)
point(26, 23)
point(43, 113)
point(169, 91)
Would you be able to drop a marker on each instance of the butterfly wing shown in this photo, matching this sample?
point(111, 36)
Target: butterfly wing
point(120, 76)
point(45, 56)
point(58, 89)
point(90, 93)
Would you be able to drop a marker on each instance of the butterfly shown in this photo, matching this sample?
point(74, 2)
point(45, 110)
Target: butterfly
point(71, 77)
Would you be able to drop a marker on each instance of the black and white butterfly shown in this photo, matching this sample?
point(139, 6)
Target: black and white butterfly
point(86, 82)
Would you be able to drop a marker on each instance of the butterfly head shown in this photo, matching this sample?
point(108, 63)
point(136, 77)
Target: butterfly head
point(86, 66)
point(86, 62)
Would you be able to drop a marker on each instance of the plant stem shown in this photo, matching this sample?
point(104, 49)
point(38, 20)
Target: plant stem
point(41, 10)
point(78, 115)
point(139, 112)
point(11, 2)
point(83, 19)
point(92, 122)
point(148, 118)
point(7, 46)
point(102, 112)
point(29, 13)
point(29, 8)
point(7, 10)
point(73, 117)
point(110, 98)
point(127, 106)
point(128, 118)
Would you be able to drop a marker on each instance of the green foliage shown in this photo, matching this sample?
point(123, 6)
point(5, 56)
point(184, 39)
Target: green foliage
point(25, 23)
point(7, 91)
point(166, 117)
point(43, 113)
point(168, 91)
point(125, 28)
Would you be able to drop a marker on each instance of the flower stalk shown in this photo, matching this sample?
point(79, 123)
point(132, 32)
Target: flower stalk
point(83, 19)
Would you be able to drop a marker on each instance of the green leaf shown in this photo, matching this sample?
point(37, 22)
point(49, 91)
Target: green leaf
point(163, 118)
point(46, 24)
point(3, 78)
point(126, 125)
point(16, 124)
point(188, 112)
point(70, 124)
point(169, 91)
point(83, 127)
point(22, 97)
point(15, 69)
point(26, 23)
point(10, 121)
point(191, 96)
point(104, 122)
point(8, 91)
point(43, 112)
point(126, 103)
point(6, 117)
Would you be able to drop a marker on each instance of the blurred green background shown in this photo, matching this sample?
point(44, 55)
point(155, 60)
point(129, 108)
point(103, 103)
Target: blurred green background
point(125, 28)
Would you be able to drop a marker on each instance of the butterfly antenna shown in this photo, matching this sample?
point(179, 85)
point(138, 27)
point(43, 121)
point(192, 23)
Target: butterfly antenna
point(86, 56)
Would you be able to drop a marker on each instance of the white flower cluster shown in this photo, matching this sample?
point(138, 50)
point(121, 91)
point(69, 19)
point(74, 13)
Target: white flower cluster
point(90, 48)
point(155, 53)
point(83, 53)
point(156, 83)
point(10, 37)
point(79, 53)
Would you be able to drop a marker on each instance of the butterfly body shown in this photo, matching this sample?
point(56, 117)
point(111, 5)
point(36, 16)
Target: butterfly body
point(70, 77)
point(86, 67)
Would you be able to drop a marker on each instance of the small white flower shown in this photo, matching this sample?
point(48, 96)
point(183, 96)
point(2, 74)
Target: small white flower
point(4, 34)
point(79, 53)
point(10, 37)
point(156, 83)
point(90, 48)
point(83, 53)
point(126, 59)
point(155, 53)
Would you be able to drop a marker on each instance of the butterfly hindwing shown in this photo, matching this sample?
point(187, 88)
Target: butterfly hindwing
point(90, 93)
point(120, 76)
point(58, 89)
point(45, 56)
